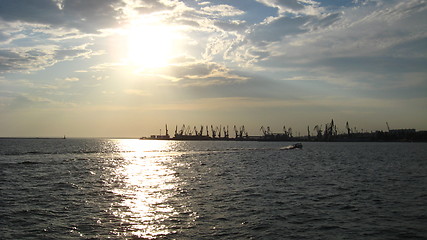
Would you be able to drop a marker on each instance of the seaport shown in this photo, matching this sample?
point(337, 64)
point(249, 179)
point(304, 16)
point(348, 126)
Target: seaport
point(328, 132)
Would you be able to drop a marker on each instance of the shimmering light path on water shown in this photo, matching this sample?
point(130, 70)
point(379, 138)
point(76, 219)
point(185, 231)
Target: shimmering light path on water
point(147, 184)
point(133, 189)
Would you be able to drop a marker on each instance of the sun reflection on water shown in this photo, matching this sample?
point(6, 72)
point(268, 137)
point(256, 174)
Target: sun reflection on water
point(147, 183)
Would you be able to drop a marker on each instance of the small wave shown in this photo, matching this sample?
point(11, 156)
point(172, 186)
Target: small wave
point(27, 153)
point(35, 152)
point(328, 227)
point(11, 153)
point(29, 162)
point(86, 152)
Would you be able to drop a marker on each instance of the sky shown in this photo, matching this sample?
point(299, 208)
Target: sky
point(125, 68)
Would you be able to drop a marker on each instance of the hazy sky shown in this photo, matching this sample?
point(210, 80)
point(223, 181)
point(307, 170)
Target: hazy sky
point(91, 68)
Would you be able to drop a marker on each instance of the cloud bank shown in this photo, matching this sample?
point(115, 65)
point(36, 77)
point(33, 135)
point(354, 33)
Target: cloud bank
point(260, 53)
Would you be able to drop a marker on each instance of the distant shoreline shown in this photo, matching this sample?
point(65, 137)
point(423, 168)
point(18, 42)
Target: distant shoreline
point(257, 139)
point(68, 138)
point(296, 139)
point(32, 138)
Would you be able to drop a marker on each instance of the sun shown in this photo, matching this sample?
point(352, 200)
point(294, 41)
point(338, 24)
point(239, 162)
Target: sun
point(150, 44)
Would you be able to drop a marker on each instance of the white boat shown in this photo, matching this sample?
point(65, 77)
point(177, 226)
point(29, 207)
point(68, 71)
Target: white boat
point(293, 146)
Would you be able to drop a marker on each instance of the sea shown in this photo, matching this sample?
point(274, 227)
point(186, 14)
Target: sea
point(154, 189)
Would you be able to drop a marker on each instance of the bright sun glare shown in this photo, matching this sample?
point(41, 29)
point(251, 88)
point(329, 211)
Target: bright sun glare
point(150, 44)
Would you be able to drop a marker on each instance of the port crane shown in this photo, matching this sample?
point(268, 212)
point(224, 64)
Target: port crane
point(318, 130)
point(213, 132)
point(266, 131)
point(347, 126)
point(167, 132)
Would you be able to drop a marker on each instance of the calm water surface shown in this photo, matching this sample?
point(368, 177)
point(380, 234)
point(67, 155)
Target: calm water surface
point(141, 189)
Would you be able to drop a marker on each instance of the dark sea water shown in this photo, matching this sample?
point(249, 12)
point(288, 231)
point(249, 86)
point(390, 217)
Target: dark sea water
point(142, 189)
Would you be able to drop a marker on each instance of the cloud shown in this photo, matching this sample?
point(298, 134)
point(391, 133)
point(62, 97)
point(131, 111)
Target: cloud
point(200, 73)
point(322, 21)
point(371, 44)
point(87, 16)
point(5, 37)
point(150, 6)
point(221, 10)
point(28, 47)
point(25, 59)
point(76, 52)
point(28, 59)
point(284, 5)
point(12, 101)
point(277, 29)
point(209, 19)
point(306, 39)
point(71, 79)
point(297, 7)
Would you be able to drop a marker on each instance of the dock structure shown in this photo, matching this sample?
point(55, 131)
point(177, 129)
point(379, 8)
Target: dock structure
point(328, 132)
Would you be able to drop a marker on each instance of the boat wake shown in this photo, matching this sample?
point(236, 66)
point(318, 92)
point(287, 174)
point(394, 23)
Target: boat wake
point(293, 146)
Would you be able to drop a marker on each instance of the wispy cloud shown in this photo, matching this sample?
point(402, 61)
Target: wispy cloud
point(71, 79)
